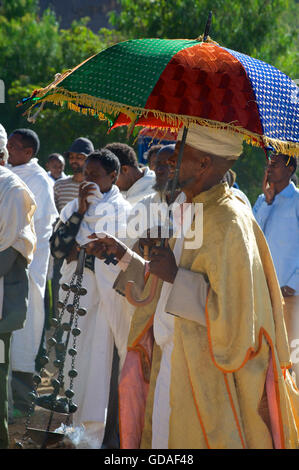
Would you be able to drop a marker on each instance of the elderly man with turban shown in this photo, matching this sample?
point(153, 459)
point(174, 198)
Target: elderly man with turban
point(218, 377)
point(17, 243)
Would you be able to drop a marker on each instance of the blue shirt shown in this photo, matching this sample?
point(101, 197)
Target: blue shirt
point(280, 224)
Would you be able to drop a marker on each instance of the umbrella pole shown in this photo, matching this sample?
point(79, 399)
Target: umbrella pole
point(208, 27)
point(178, 165)
point(130, 285)
point(176, 176)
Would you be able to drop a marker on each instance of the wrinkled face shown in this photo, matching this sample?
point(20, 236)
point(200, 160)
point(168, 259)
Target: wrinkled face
point(18, 154)
point(277, 170)
point(94, 172)
point(164, 171)
point(190, 166)
point(55, 167)
point(77, 161)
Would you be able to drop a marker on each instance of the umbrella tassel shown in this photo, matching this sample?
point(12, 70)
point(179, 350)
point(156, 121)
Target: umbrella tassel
point(35, 115)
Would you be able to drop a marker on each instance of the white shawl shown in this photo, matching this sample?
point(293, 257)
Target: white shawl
point(141, 188)
point(108, 208)
point(17, 206)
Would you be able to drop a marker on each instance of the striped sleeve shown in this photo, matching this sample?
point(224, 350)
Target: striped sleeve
point(65, 190)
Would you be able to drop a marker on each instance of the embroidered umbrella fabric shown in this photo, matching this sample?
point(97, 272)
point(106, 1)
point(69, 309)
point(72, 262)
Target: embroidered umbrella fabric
point(169, 83)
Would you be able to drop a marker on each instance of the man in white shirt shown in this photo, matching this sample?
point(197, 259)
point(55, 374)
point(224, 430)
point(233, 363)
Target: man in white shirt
point(277, 212)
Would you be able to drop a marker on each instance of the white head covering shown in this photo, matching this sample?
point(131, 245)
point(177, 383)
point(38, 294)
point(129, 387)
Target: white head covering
point(3, 142)
point(220, 142)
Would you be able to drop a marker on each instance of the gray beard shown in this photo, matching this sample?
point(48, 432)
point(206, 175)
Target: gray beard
point(166, 187)
point(160, 187)
point(169, 185)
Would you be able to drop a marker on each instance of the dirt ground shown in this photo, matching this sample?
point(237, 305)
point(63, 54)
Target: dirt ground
point(39, 420)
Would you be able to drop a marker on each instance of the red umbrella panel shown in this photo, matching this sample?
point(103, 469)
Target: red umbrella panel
point(210, 84)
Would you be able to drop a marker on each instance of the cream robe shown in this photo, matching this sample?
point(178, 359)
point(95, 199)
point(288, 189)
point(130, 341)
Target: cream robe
point(25, 342)
point(216, 392)
point(221, 371)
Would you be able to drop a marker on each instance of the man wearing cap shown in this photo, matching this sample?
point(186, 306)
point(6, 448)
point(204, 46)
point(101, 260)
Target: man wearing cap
point(219, 336)
point(67, 189)
point(277, 212)
point(23, 146)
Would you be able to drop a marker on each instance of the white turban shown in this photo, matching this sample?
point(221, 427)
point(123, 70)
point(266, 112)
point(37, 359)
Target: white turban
point(3, 142)
point(220, 142)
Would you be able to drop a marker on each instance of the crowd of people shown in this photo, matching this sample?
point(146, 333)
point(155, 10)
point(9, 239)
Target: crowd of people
point(182, 346)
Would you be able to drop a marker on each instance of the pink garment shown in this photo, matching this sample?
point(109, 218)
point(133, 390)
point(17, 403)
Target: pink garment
point(133, 391)
point(273, 406)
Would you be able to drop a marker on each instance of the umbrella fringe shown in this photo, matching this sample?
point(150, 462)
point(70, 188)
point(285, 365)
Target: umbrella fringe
point(87, 104)
point(287, 148)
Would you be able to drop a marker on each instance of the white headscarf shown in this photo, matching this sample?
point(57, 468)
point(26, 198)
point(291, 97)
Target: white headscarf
point(3, 142)
point(220, 142)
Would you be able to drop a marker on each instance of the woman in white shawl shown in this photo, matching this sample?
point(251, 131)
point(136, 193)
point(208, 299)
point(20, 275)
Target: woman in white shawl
point(100, 201)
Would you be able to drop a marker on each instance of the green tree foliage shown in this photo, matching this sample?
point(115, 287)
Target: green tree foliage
point(265, 29)
point(32, 50)
point(248, 26)
point(17, 8)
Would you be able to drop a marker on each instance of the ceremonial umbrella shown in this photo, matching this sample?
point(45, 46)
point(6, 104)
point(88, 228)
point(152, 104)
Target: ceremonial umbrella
point(171, 83)
point(167, 84)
